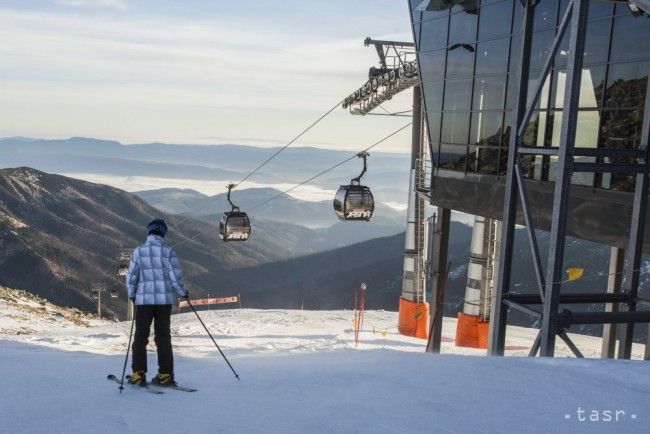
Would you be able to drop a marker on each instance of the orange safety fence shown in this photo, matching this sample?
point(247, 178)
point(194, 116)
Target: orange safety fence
point(413, 319)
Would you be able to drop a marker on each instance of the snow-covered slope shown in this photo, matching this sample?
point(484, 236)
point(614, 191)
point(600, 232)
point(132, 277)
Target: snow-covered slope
point(301, 372)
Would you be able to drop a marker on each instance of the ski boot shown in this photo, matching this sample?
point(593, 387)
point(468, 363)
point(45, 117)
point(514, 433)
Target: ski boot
point(139, 378)
point(165, 380)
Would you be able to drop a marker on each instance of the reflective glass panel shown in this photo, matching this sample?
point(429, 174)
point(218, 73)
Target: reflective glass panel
point(458, 94)
point(486, 128)
point(460, 62)
point(432, 65)
point(483, 160)
point(631, 38)
point(591, 87)
point(433, 34)
point(492, 57)
point(627, 84)
point(489, 93)
point(453, 157)
point(597, 42)
point(462, 28)
point(433, 96)
point(495, 20)
point(621, 129)
point(455, 127)
point(545, 15)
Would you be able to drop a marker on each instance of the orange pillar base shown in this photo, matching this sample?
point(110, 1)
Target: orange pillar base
point(471, 331)
point(413, 319)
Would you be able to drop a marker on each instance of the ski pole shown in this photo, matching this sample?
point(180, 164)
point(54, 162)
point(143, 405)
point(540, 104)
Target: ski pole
point(215, 342)
point(128, 348)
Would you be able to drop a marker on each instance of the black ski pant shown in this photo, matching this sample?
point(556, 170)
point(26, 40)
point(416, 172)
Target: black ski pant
point(160, 315)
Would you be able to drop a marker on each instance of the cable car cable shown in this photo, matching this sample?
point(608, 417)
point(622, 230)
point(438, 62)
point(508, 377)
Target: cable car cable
point(329, 169)
point(291, 142)
point(282, 193)
point(275, 154)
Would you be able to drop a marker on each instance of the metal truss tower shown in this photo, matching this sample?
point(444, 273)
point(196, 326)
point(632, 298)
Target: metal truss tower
point(554, 321)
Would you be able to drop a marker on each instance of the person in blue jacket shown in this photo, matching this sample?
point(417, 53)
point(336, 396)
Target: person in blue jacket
point(153, 281)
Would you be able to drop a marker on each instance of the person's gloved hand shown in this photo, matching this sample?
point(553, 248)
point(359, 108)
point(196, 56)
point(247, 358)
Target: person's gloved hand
point(186, 296)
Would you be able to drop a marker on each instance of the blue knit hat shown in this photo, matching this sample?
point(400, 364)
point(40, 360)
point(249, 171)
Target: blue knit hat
point(157, 227)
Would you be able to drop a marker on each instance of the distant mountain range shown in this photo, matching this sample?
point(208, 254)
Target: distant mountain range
point(388, 173)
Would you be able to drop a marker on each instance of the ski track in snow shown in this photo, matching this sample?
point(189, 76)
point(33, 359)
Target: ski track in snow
point(301, 373)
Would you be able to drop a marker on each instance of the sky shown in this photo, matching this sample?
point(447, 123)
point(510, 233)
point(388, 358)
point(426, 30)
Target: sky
point(201, 72)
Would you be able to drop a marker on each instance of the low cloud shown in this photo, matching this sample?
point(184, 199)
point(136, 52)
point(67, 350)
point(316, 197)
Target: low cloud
point(112, 4)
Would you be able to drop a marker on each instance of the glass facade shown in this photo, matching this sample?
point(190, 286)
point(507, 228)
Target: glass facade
point(468, 65)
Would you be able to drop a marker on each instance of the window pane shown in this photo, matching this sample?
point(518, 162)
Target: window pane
point(514, 54)
point(621, 129)
point(453, 157)
point(486, 128)
point(540, 48)
point(600, 9)
point(460, 62)
point(597, 42)
point(508, 126)
point(434, 34)
point(535, 129)
point(433, 95)
point(492, 57)
point(532, 166)
point(542, 102)
point(626, 84)
point(458, 94)
point(513, 83)
point(517, 17)
point(587, 129)
point(462, 28)
point(455, 128)
point(483, 160)
point(545, 15)
point(591, 87)
point(489, 93)
point(416, 35)
point(432, 65)
point(630, 38)
point(583, 178)
point(495, 20)
point(433, 125)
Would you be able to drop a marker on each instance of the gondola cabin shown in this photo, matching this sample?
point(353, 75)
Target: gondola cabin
point(234, 226)
point(123, 261)
point(354, 202)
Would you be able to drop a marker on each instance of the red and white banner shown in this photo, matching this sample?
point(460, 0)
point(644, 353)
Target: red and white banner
point(208, 301)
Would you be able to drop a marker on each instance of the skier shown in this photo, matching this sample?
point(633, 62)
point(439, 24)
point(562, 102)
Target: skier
point(153, 280)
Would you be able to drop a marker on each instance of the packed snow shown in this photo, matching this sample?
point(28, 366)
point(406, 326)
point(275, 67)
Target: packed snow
point(302, 372)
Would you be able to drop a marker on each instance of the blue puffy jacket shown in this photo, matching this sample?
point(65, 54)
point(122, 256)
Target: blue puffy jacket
point(155, 275)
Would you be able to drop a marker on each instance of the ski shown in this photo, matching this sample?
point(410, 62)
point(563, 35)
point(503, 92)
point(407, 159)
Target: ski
point(161, 386)
point(179, 388)
point(113, 378)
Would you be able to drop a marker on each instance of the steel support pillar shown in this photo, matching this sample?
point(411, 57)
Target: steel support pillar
point(554, 270)
point(412, 282)
point(438, 262)
point(615, 276)
point(499, 316)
